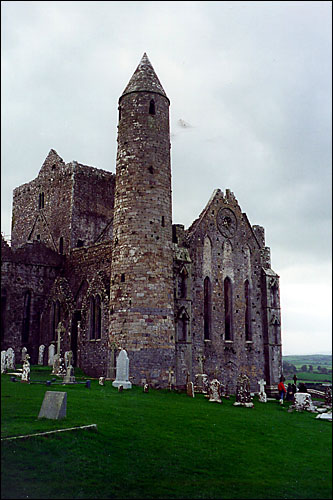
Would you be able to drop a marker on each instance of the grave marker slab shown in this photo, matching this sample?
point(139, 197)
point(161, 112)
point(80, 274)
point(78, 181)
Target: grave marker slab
point(54, 405)
point(122, 371)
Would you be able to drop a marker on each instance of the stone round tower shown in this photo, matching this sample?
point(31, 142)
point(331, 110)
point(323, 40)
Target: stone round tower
point(141, 292)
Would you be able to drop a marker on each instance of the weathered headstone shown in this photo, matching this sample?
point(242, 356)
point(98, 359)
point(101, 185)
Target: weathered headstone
point(190, 389)
point(101, 380)
point(3, 361)
point(171, 378)
point(24, 353)
point(122, 371)
point(145, 387)
point(243, 395)
point(262, 393)
point(10, 359)
point(69, 377)
point(54, 405)
point(66, 357)
point(303, 402)
point(41, 354)
point(214, 391)
point(50, 360)
point(26, 370)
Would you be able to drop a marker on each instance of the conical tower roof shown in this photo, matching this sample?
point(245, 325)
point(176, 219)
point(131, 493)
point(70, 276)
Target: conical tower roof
point(144, 79)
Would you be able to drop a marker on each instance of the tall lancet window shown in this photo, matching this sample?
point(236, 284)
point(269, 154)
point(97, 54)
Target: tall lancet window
point(207, 308)
point(228, 309)
point(55, 318)
point(247, 293)
point(152, 107)
point(26, 316)
point(98, 317)
point(92, 317)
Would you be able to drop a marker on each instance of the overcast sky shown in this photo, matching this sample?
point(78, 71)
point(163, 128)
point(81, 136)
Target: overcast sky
point(250, 85)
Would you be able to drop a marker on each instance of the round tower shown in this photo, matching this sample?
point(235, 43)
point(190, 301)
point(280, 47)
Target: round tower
point(141, 292)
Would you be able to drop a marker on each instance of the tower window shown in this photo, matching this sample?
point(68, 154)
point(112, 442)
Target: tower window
point(152, 107)
point(41, 201)
point(122, 278)
point(163, 221)
point(79, 243)
point(119, 109)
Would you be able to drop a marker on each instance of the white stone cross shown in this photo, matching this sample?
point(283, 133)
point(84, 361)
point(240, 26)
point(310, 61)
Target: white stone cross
point(262, 384)
point(61, 329)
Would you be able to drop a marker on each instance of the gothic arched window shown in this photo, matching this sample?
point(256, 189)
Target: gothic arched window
point(228, 309)
point(26, 317)
point(248, 332)
point(55, 318)
point(98, 317)
point(207, 307)
point(182, 327)
point(92, 318)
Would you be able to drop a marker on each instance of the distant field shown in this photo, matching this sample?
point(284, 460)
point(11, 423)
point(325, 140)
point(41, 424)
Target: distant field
point(312, 359)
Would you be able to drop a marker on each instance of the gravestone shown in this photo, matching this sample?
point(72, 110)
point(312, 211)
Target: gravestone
point(243, 395)
point(122, 371)
point(303, 402)
point(201, 383)
point(69, 377)
point(50, 360)
point(41, 354)
point(3, 361)
point(120, 388)
point(10, 359)
point(190, 389)
point(101, 380)
point(24, 353)
point(262, 393)
point(54, 405)
point(26, 370)
point(66, 358)
point(171, 378)
point(145, 387)
point(214, 391)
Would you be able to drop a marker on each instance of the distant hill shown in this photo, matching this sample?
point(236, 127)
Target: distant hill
point(323, 360)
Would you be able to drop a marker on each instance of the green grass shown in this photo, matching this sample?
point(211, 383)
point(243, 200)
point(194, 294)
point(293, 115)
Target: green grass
point(160, 445)
point(323, 360)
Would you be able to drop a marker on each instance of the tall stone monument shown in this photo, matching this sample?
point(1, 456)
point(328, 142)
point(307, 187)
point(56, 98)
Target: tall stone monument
point(122, 371)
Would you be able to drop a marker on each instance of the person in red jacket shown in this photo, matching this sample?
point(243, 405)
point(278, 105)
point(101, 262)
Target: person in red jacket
point(282, 390)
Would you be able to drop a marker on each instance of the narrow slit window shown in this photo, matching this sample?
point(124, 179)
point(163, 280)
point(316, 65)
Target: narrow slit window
point(207, 308)
point(228, 309)
point(61, 245)
point(26, 317)
point(92, 317)
point(122, 278)
point(248, 333)
point(152, 107)
point(163, 221)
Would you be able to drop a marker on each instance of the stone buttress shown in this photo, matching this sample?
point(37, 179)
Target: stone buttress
point(141, 291)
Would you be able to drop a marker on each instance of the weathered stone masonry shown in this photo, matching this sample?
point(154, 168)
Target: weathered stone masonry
point(98, 252)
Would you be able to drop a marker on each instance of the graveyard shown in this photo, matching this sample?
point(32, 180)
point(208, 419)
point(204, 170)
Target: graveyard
point(148, 443)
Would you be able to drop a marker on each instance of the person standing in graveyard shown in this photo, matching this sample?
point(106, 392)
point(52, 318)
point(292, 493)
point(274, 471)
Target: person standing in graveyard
point(282, 390)
point(290, 393)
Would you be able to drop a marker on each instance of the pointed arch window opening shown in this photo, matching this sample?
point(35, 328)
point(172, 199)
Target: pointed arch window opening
point(55, 318)
point(26, 317)
point(207, 308)
point(274, 296)
point(247, 293)
point(183, 327)
point(228, 309)
point(152, 110)
point(61, 245)
point(95, 326)
point(3, 312)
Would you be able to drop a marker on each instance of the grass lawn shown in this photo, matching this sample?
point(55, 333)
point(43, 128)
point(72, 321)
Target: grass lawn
point(160, 445)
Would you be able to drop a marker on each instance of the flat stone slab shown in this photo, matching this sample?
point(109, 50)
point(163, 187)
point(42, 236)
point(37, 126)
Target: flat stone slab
point(54, 405)
point(325, 416)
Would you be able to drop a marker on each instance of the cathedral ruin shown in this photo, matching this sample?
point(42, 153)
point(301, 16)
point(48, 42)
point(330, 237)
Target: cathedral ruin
point(98, 252)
